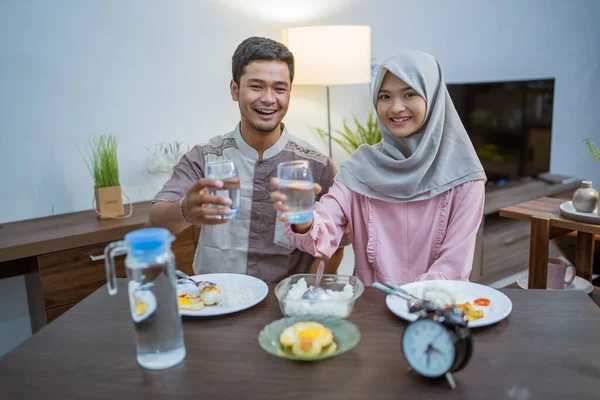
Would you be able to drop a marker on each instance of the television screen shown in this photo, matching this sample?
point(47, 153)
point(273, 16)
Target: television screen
point(509, 123)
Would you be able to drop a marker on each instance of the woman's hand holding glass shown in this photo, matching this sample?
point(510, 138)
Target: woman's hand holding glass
point(280, 201)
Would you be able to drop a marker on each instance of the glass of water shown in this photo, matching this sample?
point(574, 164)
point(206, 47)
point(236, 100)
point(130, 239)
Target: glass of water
point(296, 182)
point(225, 171)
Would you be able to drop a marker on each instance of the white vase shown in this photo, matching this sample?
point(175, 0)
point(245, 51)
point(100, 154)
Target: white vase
point(585, 198)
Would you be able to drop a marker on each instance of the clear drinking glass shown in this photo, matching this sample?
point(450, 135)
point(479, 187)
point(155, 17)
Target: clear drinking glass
point(150, 265)
point(296, 182)
point(225, 171)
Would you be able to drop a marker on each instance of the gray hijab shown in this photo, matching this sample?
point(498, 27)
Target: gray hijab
point(436, 158)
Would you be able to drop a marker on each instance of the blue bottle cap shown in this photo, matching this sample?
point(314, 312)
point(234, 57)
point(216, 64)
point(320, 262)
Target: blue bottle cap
point(148, 239)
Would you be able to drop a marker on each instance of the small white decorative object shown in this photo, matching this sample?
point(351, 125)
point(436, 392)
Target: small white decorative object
point(166, 156)
point(585, 198)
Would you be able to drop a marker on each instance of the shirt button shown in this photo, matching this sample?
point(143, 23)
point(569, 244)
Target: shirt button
point(259, 162)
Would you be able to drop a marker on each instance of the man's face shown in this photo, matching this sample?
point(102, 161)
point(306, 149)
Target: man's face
point(263, 94)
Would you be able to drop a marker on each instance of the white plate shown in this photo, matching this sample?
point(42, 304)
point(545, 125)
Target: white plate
point(568, 211)
point(500, 305)
point(259, 292)
point(577, 284)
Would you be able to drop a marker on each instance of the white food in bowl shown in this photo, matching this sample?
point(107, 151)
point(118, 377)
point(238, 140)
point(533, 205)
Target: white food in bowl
point(338, 305)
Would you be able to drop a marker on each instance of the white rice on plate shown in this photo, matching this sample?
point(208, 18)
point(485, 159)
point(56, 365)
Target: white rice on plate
point(229, 296)
point(233, 297)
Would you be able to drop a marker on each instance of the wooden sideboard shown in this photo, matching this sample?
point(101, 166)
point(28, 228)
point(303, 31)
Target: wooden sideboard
point(62, 257)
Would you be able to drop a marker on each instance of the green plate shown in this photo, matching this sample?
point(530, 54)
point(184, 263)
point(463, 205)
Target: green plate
point(345, 334)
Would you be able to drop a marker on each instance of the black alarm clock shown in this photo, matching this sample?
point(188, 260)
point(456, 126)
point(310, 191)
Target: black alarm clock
point(438, 343)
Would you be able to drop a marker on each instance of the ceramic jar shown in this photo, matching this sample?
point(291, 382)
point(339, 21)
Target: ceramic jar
point(585, 198)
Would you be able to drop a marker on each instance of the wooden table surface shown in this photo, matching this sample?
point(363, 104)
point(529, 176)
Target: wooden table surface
point(547, 207)
point(61, 232)
point(547, 348)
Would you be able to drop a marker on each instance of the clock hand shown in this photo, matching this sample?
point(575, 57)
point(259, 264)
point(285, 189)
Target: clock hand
point(431, 348)
point(436, 337)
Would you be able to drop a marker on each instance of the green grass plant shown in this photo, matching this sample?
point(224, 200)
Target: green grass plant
point(101, 160)
point(595, 152)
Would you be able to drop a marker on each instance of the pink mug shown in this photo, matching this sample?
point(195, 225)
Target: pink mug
point(557, 269)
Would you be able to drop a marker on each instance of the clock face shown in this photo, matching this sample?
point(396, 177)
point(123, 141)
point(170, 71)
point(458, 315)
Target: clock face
point(428, 348)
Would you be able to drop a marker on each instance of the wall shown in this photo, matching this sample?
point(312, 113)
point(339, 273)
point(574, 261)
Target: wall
point(152, 71)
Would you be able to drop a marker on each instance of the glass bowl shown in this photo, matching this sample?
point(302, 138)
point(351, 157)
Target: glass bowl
point(343, 291)
point(345, 335)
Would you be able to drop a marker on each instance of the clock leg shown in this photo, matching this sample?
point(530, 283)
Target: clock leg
point(451, 380)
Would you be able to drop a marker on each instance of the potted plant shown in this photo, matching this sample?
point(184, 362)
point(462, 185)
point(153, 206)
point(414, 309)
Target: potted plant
point(370, 134)
point(101, 161)
point(350, 140)
point(595, 152)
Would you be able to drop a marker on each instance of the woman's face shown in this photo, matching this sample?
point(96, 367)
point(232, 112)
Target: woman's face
point(400, 107)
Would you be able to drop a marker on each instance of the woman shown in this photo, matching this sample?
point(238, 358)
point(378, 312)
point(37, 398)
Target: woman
point(414, 202)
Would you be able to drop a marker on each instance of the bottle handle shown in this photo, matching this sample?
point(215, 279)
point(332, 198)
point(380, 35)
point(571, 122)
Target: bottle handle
point(112, 250)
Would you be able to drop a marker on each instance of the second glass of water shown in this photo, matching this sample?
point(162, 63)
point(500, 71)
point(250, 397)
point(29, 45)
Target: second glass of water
point(296, 182)
point(225, 171)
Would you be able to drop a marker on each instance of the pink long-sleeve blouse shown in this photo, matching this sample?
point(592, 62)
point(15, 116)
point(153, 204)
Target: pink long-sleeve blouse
point(399, 242)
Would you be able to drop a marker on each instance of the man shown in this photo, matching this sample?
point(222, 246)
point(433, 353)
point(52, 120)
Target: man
point(254, 241)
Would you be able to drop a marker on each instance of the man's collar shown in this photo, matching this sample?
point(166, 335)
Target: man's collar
point(270, 152)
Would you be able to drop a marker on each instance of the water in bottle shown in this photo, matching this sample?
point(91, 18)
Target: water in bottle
point(151, 287)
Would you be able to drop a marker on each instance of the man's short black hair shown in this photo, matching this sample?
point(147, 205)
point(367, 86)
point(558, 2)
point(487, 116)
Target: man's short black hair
point(260, 49)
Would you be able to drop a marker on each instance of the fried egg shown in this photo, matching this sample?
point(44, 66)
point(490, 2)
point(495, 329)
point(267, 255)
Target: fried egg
point(306, 339)
point(470, 311)
point(188, 301)
point(210, 295)
point(142, 303)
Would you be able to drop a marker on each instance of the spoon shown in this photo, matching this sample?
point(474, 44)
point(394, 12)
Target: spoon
point(316, 293)
point(414, 304)
point(184, 278)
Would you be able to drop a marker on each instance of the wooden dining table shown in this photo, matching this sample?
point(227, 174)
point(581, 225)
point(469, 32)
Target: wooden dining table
point(547, 348)
point(547, 223)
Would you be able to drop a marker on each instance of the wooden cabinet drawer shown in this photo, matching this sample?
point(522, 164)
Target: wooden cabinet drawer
point(70, 276)
point(476, 271)
point(506, 249)
point(54, 313)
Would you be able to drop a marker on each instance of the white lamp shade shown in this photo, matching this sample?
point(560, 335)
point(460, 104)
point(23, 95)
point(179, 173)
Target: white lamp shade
point(330, 55)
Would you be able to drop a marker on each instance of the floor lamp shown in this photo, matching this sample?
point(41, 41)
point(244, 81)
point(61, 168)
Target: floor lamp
point(330, 55)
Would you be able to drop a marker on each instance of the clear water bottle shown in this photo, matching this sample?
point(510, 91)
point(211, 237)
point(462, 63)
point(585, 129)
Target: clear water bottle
point(152, 292)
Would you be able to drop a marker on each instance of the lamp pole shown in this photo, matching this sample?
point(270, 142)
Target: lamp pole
point(329, 123)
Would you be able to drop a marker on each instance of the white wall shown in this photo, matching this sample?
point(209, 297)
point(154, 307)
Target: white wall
point(149, 71)
point(152, 70)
